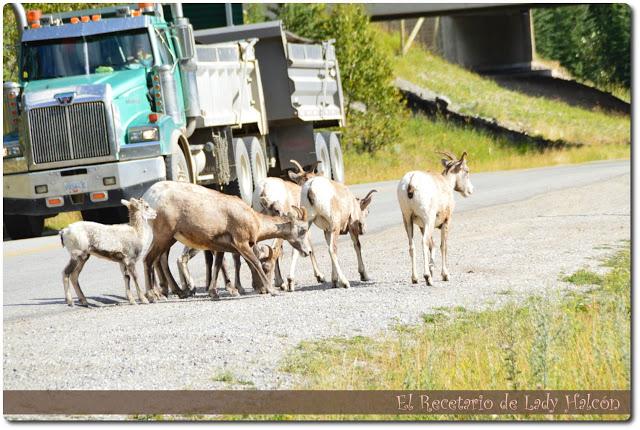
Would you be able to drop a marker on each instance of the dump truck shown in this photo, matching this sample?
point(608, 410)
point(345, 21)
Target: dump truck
point(109, 101)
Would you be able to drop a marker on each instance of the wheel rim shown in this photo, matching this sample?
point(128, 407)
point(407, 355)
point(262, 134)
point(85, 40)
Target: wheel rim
point(337, 164)
point(244, 179)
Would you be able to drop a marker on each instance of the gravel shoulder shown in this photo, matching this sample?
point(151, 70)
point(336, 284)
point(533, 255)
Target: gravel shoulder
point(496, 254)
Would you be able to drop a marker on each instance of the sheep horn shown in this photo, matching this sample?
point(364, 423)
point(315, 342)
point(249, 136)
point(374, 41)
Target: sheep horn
point(447, 154)
point(369, 194)
point(295, 163)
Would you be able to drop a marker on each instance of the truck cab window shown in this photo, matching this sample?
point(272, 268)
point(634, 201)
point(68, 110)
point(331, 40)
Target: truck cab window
point(85, 55)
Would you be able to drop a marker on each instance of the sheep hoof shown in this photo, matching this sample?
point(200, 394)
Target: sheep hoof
point(343, 284)
point(214, 295)
point(241, 290)
point(429, 280)
point(445, 276)
point(321, 278)
point(70, 304)
point(233, 292)
point(143, 300)
point(291, 284)
point(414, 280)
point(364, 277)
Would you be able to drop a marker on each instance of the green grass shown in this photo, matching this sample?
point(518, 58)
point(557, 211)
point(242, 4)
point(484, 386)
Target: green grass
point(603, 135)
point(421, 137)
point(579, 341)
point(229, 378)
point(551, 119)
point(62, 220)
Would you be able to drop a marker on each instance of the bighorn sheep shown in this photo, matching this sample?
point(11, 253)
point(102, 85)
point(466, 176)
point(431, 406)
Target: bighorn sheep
point(426, 199)
point(209, 220)
point(272, 196)
point(124, 244)
point(275, 196)
point(333, 208)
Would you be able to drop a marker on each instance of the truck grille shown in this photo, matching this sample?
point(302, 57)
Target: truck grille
point(73, 132)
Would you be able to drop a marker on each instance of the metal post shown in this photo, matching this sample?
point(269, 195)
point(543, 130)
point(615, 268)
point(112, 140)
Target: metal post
point(402, 35)
point(21, 17)
point(413, 35)
point(228, 11)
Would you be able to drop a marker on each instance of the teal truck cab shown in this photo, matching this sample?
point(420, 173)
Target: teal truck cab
point(110, 101)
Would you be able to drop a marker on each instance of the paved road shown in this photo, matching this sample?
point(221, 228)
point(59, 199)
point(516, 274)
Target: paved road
point(32, 267)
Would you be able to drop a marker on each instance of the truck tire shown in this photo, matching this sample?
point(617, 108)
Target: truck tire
point(116, 215)
point(23, 226)
point(176, 165)
point(337, 163)
point(243, 184)
point(258, 160)
point(322, 154)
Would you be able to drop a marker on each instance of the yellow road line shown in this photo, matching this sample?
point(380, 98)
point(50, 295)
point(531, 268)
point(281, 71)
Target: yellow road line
point(31, 250)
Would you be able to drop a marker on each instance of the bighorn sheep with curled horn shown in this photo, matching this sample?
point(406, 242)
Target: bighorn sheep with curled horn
point(272, 196)
point(426, 199)
point(209, 220)
point(334, 209)
point(123, 243)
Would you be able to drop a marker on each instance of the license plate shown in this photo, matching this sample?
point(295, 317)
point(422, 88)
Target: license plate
point(75, 187)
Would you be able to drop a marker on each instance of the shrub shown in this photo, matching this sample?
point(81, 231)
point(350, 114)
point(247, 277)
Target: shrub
point(365, 70)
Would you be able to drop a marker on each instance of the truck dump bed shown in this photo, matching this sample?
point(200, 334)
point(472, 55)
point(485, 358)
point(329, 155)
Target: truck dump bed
point(301, 82)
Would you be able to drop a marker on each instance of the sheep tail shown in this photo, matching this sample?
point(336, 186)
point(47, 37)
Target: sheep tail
point(410, 188)
point(61, 233)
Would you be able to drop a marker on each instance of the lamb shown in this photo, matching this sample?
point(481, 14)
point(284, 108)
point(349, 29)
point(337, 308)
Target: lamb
point(124, 244)
point(332, 207)
point(209, 220)
point(426, 199)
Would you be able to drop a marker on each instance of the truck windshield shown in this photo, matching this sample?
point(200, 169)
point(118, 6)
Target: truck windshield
point(101, 53)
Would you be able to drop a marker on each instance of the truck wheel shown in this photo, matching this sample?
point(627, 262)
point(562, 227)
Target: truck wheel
point(116, 215)
point(243, 184)
point(176, 165)
point(337, 163)
point(258, 160)
point(322, 154)
point(23, 226)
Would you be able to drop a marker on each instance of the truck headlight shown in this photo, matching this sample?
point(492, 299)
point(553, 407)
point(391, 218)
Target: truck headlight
point(11, 150)
point(143, 134)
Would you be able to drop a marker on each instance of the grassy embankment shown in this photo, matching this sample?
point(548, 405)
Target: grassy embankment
point(580, 341)
point(603, 135)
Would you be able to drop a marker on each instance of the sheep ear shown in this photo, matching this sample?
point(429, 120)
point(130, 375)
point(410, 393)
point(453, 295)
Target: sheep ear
point(125, 203)
point(293, 175)
point(366, 201)
point(446, 163)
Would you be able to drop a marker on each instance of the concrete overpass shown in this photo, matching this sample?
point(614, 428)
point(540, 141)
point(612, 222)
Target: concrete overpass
point(484, 37)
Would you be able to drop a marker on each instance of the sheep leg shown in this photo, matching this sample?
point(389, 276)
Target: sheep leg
point(134, 274)
point(209, 268)
point(408, 226)
point(127, 283)
point(212, 290)
point(444, 236)
point(224, 268)
point(82, 259)
point(355, 238)
point(68, 270)
point(292, 270)
point(183, 268)
point(314, 262)
point(150, 264)
point(337, 277)
point(426, 253)
point(251, 259)
point(161, 284)
point(279, 281)
point(237, 283)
